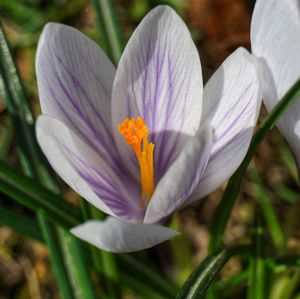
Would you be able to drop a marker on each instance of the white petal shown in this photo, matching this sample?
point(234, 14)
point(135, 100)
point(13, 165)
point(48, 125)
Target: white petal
point(75, 81)
point(275, 40)
point(232, 100)
point(118, 236)
point(275, 37)
point(86, 172)
point(182, 177)
point(159, 78)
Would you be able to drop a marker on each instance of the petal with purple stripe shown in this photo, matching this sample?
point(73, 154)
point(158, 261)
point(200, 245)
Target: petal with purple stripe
point(75, 81)
point(232, 99)
point(159, 78)
point(86, 172)
point(182, 177)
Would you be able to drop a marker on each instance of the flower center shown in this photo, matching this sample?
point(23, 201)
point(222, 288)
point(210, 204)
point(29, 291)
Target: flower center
point(136, 134)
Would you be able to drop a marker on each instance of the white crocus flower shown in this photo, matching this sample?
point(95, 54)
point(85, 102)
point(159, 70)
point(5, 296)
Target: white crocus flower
point(144, 139)
point(275, 41)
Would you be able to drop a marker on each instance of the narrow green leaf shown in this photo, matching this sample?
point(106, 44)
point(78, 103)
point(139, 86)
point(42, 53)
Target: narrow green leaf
point(230, 195)
point(56, 258)
point(230, 284)
point(109, 28)
point(199, 281)
point(267, 210)
point(257, 287)
point(284, 285)
point(14, 83)
point(77, 266)
point(34, 196)
point(140, 288)
point(24, 15)
point(283, 262)
point(21, 224)
point(13, 93)
point(104, 262)
point(5, 138)
point(153, 279)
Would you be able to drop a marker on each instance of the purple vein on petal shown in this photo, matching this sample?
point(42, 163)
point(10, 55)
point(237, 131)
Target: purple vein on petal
point(100, 81)
point(98, 143)
point(144, 74)
point(77, 86)
point(110, 192)
point(233, 140)
point(232, 108)
point(158, 82)
point(168, 156)
point(66, 114)
point(168, 113)
point(235, 121)
point(102, 144)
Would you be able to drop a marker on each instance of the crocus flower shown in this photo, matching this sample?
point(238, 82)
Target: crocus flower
point(143, 140)
point(275, 41)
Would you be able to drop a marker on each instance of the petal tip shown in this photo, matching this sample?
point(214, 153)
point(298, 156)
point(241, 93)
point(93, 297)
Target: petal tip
point(117, 236)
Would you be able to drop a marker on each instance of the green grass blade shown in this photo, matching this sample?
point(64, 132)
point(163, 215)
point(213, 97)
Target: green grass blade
point(227, 286)
point(34, 196)
point(24, 15)
point(230, 195)
point(77, 266)
point(257, 285)
point(199, 281)
point(105, 262)
point(141, 288)
point(5, 138)
point(109, 28)
point(21, 224)
point(153, 279)
point(284, 286)
point(267, 210)
point(14, 83)
point(58, 266)
point(14, 95)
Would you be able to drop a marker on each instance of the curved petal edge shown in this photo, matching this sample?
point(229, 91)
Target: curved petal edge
point(118, 236)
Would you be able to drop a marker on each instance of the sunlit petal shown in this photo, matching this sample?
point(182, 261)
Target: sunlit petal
point(159, 78)
point(86, 172)
point(118, 236)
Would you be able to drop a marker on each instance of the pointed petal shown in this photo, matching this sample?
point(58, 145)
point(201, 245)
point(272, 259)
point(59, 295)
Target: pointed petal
point(182, 177)
point(275, 40)
point(118, 236)
point(86, 172)
point(159, 78)
point(232, 100)
point(75, 81)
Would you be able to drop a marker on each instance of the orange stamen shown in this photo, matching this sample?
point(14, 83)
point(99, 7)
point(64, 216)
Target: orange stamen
point(136, 134)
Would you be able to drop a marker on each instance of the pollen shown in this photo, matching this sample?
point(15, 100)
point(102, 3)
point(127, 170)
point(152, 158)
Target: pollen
point(135, 132)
